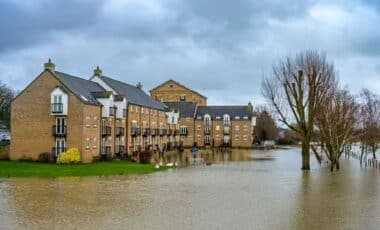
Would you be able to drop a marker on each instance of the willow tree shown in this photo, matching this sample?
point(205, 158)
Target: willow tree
point(297, 86)
point(336, 121)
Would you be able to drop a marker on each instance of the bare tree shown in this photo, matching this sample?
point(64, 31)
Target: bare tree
point(6, 96)
point(295, 90)
point(370, 121)
point(335, 121)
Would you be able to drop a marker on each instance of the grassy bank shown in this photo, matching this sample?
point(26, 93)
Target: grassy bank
point(34, 169)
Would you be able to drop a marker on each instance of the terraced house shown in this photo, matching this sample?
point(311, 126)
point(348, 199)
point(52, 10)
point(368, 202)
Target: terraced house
point(211, 126)
point(99, 116)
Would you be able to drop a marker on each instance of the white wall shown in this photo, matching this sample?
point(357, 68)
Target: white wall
point(121, 105)
point(65, 99)
point(107, 103)
point(172, 114)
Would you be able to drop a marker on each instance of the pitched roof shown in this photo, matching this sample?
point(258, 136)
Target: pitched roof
point(186, 109)
point(171, 80)
point(219, 111)
point(82, 88)
point(133, 94)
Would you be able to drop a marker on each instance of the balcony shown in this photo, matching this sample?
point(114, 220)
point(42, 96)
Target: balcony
point(169, 132)
point(57, 108)
point(161, 132)
point(105, 150)
point(59, 131)
point(145, 132)
point(135, 131)
point(106, 131)
point(207, 130)
point(184, 133)
point(58, 150)
point(119, 131)
point(119, 149)
point(153, 132)
point(226, 130)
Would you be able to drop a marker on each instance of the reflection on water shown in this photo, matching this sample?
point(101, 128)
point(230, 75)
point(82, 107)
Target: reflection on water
point(236, 192)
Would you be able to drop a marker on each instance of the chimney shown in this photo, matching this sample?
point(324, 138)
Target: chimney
point(49, 65)
point(98, 72)
point(250, 107)
point(139, 86)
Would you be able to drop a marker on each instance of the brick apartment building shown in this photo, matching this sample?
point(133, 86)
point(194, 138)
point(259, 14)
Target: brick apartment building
point(207, 125)
point(104, 116)
point(57, 111)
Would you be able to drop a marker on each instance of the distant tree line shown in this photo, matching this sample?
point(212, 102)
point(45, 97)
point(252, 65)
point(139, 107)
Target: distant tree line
point(6, 97)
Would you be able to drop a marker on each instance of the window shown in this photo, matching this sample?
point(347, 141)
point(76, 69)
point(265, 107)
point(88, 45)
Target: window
point(182, 97)
point(237, 137)
point(170, 86)
point(57, 106)
point(198, 137)
point(226, 119)
point(217, 127)
point(245, 128)
point(88, 121)
point(198, 127)
point(173, 120)
point(124, 113)
point(94, 143)
point(95, 121)
point(60, 146)
point(111, 111)
point(245, 118)
point(199, 117)
point(245, 138)
point(60, 127)
point(87, 143)
point(183, 130)
point(237, 128)
point(217, 118)
point(237, 118)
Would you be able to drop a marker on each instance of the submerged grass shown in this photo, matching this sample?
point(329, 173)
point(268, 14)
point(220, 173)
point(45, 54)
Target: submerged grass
point(35, 169)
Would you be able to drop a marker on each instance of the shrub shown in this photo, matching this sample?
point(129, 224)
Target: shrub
point(145, 156)
point(71, 156)
point(46, 158)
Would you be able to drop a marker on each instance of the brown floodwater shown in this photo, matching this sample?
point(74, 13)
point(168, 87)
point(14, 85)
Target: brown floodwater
point(239, 190)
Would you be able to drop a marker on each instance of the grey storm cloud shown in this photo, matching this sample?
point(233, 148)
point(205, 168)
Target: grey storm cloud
point(220, 48)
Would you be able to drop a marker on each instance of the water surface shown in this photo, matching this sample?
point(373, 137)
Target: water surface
point(240, 190)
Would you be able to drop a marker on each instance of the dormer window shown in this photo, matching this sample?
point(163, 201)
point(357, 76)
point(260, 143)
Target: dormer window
point(111, 111)
point(226, 119)
point(58, 99)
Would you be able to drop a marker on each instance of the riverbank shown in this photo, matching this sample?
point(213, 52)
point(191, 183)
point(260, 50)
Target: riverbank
point(35, 169)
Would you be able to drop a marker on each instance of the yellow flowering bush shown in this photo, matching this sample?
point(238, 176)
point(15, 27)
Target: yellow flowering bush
point(71, 156)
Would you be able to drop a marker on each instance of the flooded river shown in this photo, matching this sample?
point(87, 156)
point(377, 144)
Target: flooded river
point(239, 190)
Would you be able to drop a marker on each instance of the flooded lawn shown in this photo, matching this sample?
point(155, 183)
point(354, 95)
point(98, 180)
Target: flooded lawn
point(239, 190)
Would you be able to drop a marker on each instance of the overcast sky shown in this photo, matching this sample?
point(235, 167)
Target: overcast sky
point(221, 48)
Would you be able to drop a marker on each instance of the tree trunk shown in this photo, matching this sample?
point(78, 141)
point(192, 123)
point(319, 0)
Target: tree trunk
point(305, 155)
point(332, 164)
point(374, 153)
point(337, 164)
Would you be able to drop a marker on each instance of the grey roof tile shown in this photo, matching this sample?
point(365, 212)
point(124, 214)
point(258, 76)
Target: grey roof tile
point(186, 109)
point(83, 88)
point(219, 111)
point(133, 94)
